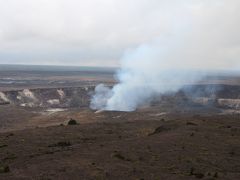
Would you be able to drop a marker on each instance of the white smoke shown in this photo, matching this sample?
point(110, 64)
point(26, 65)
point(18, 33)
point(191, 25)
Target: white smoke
point(102, 94)
point(205, 40)
point(140, 78)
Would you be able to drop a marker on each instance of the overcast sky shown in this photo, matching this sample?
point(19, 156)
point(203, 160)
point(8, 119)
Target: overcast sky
point(100, 32)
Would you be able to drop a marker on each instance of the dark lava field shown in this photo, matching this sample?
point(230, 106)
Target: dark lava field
point(49, 132)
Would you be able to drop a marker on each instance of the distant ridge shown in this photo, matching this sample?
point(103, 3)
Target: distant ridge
point(13, 67)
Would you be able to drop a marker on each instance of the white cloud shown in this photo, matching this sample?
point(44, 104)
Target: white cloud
point(99, 32)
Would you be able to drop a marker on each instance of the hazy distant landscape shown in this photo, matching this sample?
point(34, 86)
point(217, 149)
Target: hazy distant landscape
point(27, 76)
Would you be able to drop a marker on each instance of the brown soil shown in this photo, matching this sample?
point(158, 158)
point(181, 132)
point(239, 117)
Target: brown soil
point(171, 140)
point(117, 145)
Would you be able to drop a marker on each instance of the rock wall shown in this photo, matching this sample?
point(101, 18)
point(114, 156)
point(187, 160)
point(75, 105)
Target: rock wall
point(205, 95)
point(63, 97)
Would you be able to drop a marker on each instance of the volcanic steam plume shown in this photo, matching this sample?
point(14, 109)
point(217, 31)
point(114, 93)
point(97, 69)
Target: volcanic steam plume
point(201, 40)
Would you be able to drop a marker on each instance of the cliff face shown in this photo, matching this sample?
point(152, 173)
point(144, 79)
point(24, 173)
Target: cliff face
point(53, 97)
point(218, 96)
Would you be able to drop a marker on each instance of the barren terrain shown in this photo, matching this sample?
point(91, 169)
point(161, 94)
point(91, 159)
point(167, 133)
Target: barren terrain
point(191, 134)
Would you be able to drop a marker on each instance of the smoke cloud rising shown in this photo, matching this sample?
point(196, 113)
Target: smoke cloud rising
point(203, 38)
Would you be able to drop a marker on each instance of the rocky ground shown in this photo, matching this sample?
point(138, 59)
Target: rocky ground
point(117, 145)
point(45, 133)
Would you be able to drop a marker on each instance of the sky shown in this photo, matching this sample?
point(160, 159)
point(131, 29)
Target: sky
point(101, 33)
